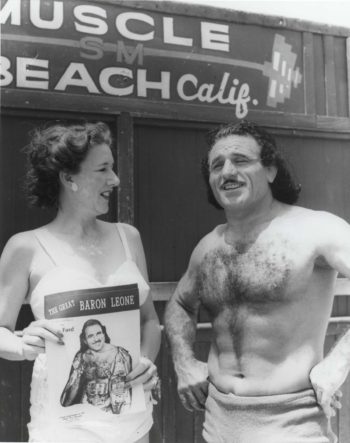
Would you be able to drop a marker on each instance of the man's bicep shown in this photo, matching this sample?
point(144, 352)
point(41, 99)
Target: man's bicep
point(336, 247)
point(186, 294)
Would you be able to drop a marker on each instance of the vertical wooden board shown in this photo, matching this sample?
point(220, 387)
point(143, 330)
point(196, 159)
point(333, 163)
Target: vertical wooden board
point(342, 305)
point(26, 376)
point(157, 431)
point(344, 422)
point(331, 91)
point(319, 78)
point(341, 77)
point(309, 73)
point(169, 395)
point(319, 167)
point(348, 70)
point(171, 196)
point(125, 165)
point(10, 401)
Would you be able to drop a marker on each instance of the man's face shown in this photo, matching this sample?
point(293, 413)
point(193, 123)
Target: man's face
point(94, 337)
point(237, 177)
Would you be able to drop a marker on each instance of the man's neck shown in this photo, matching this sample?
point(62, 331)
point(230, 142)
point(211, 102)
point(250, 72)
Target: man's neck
point(244, 222)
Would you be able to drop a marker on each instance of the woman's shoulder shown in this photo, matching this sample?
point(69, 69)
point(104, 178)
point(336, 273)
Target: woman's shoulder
point(21, 241)
point(130, 230)
point(19, 250)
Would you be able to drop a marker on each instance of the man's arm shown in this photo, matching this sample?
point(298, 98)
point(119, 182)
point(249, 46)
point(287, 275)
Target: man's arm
point(329, 375)
point(180, 326)
point(72, 391)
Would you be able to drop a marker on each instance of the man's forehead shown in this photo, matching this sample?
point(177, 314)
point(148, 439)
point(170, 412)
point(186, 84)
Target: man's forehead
point(93, 328)
point(231, 144)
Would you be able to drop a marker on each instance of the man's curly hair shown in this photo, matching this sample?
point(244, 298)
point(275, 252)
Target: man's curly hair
point(283, 187)
point(55, 148)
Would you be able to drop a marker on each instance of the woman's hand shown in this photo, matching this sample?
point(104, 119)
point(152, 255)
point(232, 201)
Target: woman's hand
point(35, 335)
point(144, 373)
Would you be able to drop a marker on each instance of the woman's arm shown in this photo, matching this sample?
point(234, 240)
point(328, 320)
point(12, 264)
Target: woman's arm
point(15, 265)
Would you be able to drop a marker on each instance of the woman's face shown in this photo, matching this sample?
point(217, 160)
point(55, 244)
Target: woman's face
point(95, 180)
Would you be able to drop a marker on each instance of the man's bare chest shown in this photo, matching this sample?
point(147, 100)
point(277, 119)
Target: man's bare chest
point(259, 273)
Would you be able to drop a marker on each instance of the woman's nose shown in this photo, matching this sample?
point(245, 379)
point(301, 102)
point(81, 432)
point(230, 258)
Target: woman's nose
point(113, 180)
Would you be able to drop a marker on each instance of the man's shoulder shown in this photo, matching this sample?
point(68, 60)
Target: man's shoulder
point(311, 221)
point(208, 242)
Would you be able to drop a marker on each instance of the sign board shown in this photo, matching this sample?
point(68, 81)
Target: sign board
point(114, 51)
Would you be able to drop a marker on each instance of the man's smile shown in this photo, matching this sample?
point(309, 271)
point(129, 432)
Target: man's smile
point(231, 185)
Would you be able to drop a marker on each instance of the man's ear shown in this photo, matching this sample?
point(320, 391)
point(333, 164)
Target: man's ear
point(271, 173)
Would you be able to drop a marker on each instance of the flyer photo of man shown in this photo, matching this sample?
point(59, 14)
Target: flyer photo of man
point(98, 372)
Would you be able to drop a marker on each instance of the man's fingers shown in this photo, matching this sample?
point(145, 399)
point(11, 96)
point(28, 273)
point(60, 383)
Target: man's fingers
point(338, 393)
point(195, 398)
point(190, 401)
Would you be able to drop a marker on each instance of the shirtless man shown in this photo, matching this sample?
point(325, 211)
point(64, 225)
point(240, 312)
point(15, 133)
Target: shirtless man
point(266, 278)
point(98, 372)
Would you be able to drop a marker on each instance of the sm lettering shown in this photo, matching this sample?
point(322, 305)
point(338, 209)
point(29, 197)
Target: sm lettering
point(93, 48)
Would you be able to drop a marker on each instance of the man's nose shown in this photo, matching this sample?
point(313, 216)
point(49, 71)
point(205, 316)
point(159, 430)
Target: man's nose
point(229, 168)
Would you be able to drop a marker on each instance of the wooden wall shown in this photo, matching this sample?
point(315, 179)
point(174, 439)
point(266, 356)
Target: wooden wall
point(163, 194)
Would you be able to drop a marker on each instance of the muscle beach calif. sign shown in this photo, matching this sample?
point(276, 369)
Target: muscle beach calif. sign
point(112, 50)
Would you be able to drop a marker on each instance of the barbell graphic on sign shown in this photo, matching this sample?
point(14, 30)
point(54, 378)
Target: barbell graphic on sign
point(281, 73)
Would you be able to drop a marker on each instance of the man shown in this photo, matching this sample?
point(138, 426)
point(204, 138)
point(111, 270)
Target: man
point(98, 372)
point(266, 278)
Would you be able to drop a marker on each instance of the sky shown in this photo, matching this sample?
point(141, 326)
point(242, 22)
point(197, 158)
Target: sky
point(336, 12)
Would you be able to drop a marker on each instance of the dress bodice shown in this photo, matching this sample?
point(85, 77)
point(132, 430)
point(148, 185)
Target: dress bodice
point(62, 278)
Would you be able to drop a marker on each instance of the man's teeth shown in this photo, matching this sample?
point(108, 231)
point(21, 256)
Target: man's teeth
point(106, 194)
point(231, 185)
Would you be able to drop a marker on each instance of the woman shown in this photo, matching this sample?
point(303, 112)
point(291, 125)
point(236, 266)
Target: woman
point(71, 169)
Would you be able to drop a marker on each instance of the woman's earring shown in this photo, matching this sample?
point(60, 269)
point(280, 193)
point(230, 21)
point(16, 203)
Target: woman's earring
point(74, 187)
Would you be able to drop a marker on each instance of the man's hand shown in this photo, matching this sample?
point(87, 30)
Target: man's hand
point(326, 379)
point(192, 385)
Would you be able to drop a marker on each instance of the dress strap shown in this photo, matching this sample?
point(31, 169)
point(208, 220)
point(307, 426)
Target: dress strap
point(124, 241)
point(46, 244)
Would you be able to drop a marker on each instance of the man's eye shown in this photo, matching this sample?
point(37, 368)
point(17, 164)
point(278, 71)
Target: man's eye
point(216, 166)
point(241, 161)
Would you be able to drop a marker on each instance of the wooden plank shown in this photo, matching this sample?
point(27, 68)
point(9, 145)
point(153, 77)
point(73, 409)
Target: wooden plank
point(348, 70)
point(342, 286)
point(331, 92)
point(215, 13)
point(341, 76)
point(309, 73)
point(125, 165)
point(189, 112)
point(162, 291)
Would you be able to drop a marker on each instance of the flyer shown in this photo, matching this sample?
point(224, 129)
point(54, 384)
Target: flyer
point(101, 333)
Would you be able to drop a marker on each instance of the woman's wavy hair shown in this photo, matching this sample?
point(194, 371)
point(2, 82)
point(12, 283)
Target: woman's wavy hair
point(91, 322)
point(283, 188)
point(55, 148)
